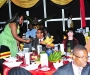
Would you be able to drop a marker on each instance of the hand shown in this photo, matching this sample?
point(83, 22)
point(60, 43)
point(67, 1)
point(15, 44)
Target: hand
point(28, 41)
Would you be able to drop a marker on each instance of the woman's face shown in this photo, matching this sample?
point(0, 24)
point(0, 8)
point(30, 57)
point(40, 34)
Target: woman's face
point(70, 34)
point(21, 20)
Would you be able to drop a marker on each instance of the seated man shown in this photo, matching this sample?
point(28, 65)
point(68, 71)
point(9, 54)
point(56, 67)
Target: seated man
point(78, 66)
point(39, 37)
point(31, 33)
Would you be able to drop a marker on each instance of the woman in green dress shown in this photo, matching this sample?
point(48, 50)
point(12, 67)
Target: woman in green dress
point(9, 36)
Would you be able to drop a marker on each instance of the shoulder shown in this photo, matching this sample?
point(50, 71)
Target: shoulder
point(64, 40)
point(61, 70)
point(12, 24)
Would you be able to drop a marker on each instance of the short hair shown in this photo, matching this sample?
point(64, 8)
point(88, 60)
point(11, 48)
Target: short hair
point(70, 29)
point(42, 31)
point(78, 47)
point(18, 71)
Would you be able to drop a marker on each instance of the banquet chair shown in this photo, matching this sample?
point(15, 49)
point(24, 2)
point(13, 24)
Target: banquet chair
point(4, 52)
point(18, 71)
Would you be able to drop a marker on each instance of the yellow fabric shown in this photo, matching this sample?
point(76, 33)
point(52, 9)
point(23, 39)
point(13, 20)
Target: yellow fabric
point(61, 2)
point(5, 54)
point(87, 38)
point(25, 3)
point(2, 3)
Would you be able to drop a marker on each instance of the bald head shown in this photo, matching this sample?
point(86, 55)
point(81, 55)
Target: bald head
point(78, 48)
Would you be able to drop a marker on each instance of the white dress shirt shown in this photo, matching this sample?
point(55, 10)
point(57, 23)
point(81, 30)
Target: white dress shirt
point(76, 69)
point(41, 40)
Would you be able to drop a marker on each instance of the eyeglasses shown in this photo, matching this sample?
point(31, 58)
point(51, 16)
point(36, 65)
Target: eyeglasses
point(81, 56)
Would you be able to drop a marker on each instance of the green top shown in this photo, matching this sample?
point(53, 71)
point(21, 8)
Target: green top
point(7, 39)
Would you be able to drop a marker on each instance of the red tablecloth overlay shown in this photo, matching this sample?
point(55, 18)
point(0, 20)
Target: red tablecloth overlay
point(34, 72)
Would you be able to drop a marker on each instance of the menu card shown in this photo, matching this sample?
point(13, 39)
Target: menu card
point(44, 60)
point(62, 48)
point(27, 58)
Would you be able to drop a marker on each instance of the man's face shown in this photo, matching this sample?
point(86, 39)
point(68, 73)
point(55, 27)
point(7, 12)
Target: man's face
point(80, 58)
point(39, 34)
point(30, 26)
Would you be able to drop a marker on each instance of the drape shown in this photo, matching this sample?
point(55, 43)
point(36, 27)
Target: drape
point(25, 3)
point(2, 2)
point(63, 4)
point(82, 14)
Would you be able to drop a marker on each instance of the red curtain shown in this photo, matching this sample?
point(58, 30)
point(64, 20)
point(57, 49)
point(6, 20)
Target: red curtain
point(82, 13)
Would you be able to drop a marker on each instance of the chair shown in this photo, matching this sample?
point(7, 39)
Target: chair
point(18, 71)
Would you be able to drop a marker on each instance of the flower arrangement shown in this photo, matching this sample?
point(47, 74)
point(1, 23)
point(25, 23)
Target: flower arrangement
point(48, 41)
point(55, 56)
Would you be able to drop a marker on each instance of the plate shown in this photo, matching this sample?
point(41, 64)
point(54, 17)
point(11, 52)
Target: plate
point(45, 69)
point(32, 67)
point(10, 59)
point(12, 64)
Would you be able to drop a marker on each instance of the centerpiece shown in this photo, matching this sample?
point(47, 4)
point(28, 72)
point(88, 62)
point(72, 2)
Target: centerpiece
point(49, 44)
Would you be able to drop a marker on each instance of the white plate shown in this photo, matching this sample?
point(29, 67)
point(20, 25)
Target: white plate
point(12, 64)
point(45, 69)
point(32, 67)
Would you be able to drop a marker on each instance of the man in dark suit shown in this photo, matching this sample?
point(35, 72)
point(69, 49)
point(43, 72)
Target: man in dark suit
point(79, 64)
point(39, 38)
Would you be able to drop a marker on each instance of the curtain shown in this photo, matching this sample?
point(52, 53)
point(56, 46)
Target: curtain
point(2, 2)
point(82, 13)
point(25, 3)
point(63, 4)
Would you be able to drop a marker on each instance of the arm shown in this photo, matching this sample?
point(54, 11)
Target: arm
point(14, 33)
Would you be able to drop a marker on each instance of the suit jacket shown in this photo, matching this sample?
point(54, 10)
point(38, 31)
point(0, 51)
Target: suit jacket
point(36, 42)
point(68, 70)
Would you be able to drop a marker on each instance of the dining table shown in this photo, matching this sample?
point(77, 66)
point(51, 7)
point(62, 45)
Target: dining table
point(34, 72)
point(37, 71)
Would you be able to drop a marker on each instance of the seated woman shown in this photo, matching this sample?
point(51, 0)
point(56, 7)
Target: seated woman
point(70, 41)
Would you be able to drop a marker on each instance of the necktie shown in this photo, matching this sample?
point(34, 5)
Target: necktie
point(40, 41)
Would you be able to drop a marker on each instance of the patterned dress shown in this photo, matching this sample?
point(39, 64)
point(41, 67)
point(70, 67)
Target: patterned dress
point(7, 39)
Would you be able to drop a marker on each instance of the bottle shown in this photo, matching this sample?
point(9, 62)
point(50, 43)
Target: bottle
point(68, 48)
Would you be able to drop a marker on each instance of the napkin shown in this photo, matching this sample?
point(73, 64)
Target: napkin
point(58, 64)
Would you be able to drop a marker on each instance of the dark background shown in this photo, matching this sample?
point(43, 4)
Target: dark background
point(51, 9)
